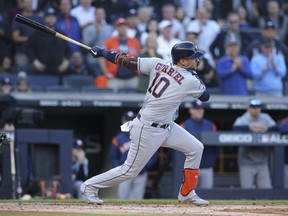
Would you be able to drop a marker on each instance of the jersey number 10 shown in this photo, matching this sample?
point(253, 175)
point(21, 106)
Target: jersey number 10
point(158, 86)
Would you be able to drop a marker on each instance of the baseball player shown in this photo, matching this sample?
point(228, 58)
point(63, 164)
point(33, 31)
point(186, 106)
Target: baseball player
point(154, 126)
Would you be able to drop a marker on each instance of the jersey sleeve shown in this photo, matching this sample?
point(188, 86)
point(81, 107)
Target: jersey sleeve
point(196, 88)
point(147, 65)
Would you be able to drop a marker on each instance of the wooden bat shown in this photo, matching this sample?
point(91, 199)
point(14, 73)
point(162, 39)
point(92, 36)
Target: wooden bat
point(40, 27)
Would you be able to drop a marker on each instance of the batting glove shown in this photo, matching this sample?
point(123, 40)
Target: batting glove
point(96, 51)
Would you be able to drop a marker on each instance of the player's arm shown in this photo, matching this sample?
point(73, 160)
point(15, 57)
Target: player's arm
point(204, 97)
point(119, 58)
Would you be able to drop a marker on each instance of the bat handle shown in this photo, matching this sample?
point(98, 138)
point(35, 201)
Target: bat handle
point(63, 37)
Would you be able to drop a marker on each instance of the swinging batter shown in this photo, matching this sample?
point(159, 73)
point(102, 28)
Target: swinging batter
point(154, 125)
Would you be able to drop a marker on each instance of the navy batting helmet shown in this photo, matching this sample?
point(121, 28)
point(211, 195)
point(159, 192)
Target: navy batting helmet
point(185, 49)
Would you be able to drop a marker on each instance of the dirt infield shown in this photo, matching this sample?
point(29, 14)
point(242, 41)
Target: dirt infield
point(142, 208)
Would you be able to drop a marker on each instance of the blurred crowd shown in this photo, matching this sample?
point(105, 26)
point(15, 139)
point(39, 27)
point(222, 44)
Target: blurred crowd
point(245, 42)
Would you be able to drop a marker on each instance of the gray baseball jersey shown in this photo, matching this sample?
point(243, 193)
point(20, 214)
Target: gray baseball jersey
point(168, 86)
point(154, 127)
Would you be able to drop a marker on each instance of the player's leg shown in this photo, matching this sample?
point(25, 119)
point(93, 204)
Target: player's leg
point(145, 141)
point(286, 176)
point(180, 140)
point(206, 178)
point(139, 186)
point(76, 190)
point(263, 179)
point(124, 189)
point(247, 176)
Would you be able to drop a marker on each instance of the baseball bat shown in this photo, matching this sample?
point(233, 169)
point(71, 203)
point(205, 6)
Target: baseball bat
point(40, 27)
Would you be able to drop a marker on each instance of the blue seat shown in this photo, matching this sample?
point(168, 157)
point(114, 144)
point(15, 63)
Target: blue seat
point(12, 77)
point(78, 81)
point(60, 88)
point(43, 79)
point(96, 90)
point(37, 88)
point(127, 90)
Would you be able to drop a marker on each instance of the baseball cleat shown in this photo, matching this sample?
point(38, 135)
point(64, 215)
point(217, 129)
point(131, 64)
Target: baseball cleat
point(91, 194)
point(193, 198)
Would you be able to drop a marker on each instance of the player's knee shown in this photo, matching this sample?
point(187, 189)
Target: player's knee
point(199, 147)
point(130, 172)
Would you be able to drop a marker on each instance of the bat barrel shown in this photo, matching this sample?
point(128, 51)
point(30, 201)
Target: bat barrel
point(45, 29)
point(34, 24)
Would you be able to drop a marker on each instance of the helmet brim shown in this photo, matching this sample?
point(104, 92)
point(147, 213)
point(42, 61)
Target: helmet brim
point(198, 54)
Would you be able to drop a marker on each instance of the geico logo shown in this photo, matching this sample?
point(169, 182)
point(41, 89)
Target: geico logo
point(235, 138)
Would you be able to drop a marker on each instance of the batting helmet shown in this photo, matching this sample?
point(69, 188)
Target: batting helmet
point(185, 49)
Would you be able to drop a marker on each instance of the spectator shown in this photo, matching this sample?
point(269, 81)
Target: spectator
point(252, 160)
point(68, 24)
point(119, 77)
point(165, 39)
point(152, 27)
point(205, 70)
point(233, 71)
point(244, 22)
point(48, 55)
point(12, 10)
point(232, 33)
point(21, 34)
point(22, 85)
point(168, 13)
point(78, 66)
point(7, 66)
point(80, 167)
point(181, 16)
point(190, 7)
point(195, 125)
point(95, 35)
point(132, 189)
point(132, 21)
point(6, 86)
point(268, 69)
point(116, 8)
point(5, 41)
point(84, 13)
point(208, 29)
point(211, 12)
point(283, 129)
point(144, 16)
point(253, 9)
point(267, 33)
point(7, 123)
point(222, 9)
point(279, 20)
point(149, 50)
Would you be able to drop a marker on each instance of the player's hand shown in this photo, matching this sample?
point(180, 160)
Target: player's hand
point(96, 51)
point(39, 65)
point(63, 66)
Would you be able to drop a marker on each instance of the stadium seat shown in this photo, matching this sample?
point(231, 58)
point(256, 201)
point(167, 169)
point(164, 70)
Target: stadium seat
point(96, 90)
point(78, 81)
point(37, 88)
point(13, 78)
point(43, 80)
point(214, 90)
point(59, 88)
point(127, 90)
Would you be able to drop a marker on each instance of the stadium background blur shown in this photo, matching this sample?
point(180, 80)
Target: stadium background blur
point(74, 97)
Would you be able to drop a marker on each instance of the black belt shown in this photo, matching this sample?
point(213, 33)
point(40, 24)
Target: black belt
point(155, 124)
